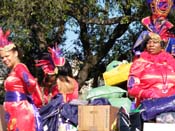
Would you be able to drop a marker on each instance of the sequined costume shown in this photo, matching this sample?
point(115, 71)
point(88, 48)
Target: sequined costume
point(152, 76)
point(21, 114)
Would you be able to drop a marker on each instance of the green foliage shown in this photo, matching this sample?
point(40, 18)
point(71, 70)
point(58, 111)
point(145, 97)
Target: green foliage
point(106, 29)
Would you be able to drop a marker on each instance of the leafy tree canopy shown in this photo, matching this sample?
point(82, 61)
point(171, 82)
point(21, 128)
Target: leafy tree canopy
point(106, 29)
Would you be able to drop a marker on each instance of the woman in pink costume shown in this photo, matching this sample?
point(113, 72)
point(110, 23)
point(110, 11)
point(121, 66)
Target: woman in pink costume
point(58, 77)
point(152, 75)
point(20, 111)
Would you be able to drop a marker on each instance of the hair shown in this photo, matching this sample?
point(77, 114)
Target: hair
point(65, 70)
point(163, 44)
point(20, 52)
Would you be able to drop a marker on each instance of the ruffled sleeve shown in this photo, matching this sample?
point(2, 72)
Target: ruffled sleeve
point(30, 84)
point(26, 77)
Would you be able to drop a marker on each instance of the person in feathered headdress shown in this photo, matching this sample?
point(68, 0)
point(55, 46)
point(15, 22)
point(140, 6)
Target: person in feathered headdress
point(158, 23)
point(58, 76)
point(20, 111)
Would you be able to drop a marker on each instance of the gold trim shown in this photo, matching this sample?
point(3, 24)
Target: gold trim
point(7, 47)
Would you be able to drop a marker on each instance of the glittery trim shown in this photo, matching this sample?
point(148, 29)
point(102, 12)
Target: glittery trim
point(7, 47)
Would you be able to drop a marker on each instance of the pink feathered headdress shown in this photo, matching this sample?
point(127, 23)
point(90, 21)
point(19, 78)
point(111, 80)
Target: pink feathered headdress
point(5, 44)
point(50, 66)
point(56, 56)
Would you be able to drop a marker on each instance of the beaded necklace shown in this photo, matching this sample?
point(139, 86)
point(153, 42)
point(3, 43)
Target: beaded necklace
point(164, 79)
